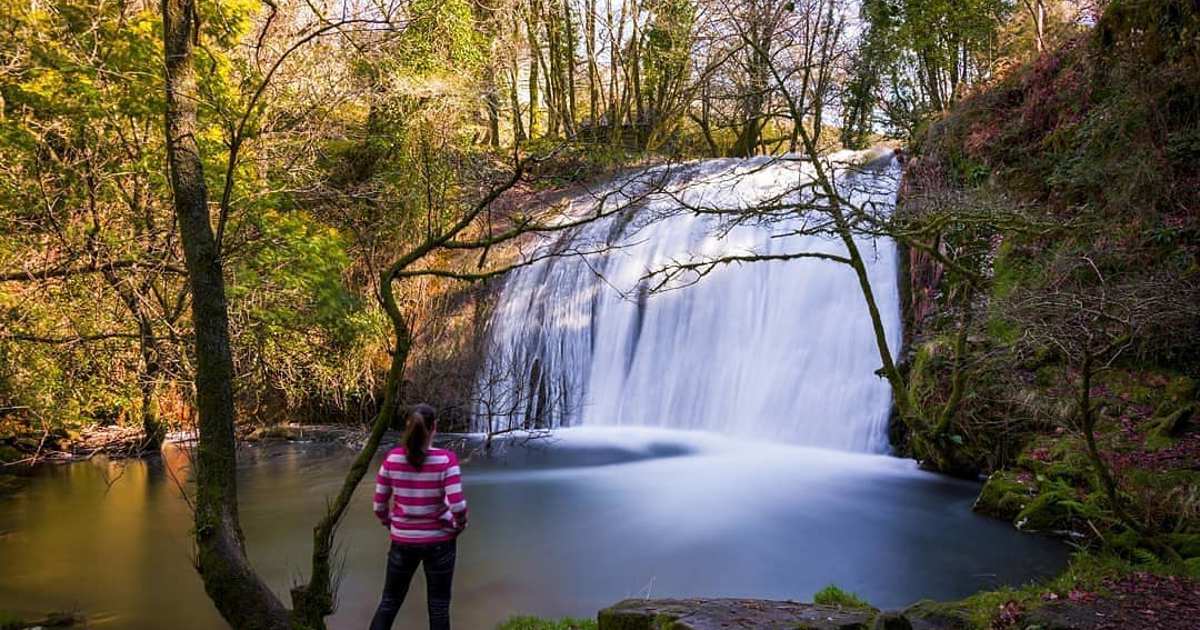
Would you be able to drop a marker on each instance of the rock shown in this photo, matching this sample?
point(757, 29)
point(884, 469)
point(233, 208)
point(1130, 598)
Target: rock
point(930, 615)
point(1182, 389)
point(721, 614)
point(1062, 616)
point(1048, 512)
point(1173, 423)
point(891, 621)
point(1003, 496)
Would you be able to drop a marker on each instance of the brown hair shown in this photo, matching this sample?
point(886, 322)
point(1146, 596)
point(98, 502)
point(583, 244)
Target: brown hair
point(422, 422)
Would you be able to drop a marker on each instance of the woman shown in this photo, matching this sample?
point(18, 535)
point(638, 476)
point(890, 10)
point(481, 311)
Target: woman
point(427, 513)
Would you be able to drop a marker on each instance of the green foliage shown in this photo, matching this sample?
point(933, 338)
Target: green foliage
point(442, 38)
point(1106, 121)
point(296, 265)
point(538, 623)
point(831, 595)
point(1004, 495)
point(666, 57)
point(302, 329)
point(913, 56)
point(81, 134)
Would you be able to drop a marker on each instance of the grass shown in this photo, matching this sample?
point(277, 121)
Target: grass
point(537, 623)
point(833, 596)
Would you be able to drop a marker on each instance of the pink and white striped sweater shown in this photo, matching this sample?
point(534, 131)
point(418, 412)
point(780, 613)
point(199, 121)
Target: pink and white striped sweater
point(427, 505)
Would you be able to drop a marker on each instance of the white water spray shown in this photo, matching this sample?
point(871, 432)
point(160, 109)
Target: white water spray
point(775, 350)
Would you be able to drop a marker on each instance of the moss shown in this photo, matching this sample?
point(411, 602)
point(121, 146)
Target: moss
point(538, 623)
point(1048, 375)
point(891, 621)
point(1168, 426)
point(1049, 511)
point(944, 615)
point(1004, 495)
point(1182, 389)
point(833, 596)
point(920, 375)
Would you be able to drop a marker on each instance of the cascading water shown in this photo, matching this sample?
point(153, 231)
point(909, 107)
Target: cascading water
point(775, 350)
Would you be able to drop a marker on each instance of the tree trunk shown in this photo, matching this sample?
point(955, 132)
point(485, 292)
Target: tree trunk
point(1037, 12)
point(314, 601)
point(535, 58)
point(635, 72)
point(571, 114)
point(1087, 425)
point(240, 596)
point(592, 69)
point(515, 98)
point(152, 427)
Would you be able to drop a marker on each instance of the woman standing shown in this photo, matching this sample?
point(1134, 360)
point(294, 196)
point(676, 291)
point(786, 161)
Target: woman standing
point(426, 514)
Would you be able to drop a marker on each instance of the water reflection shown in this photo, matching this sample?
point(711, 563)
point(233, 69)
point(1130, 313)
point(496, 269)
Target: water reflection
point(564, 528)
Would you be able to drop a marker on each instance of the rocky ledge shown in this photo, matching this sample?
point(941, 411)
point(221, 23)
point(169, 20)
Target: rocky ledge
point(728, 614)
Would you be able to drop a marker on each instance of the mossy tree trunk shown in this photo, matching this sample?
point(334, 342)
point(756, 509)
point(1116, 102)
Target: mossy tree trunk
point(241, 597)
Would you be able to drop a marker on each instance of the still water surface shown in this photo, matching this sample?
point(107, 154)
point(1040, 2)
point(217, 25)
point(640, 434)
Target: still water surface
point(566, 526)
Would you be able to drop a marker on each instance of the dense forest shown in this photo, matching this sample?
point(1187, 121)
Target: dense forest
point(332, 140)
point(223, 219)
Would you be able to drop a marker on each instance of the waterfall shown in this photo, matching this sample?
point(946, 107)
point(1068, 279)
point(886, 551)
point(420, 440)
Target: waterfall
point(780, 350)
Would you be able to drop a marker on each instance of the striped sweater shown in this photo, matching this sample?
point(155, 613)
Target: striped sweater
point(427, 505)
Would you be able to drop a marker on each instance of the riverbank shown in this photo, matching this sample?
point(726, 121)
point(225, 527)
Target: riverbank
point(1103, 599)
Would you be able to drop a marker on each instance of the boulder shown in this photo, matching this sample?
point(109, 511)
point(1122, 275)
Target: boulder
point(930, 615)
point(891, 621)
point(1003, 496)
point(724, 614)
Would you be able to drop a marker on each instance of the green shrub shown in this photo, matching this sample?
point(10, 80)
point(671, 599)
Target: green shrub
point(537, 623)
point(833, 596)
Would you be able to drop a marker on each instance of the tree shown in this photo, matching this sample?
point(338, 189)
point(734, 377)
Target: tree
point(86, 227)
point(1037, 14)
point(927, 54)
point(242, 598)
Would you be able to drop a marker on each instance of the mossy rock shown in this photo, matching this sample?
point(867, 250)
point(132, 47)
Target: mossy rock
point(276, 432)
point(930, 615)
point(1065, 460)
point(1047, 512)
point(891, 621)
point(715, 614)
point(1181, 389)
point(1003, 496)
point(1168, 426)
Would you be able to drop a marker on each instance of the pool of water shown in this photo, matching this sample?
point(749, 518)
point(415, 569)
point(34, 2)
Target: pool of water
point(560, 526)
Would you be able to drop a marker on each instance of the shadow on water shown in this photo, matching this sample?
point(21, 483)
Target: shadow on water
point(559, 526)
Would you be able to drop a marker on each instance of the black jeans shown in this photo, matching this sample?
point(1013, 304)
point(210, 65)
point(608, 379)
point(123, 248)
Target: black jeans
point(439, 574)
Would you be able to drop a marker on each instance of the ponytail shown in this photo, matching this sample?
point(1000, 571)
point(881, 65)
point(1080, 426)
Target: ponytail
point(422, 421)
